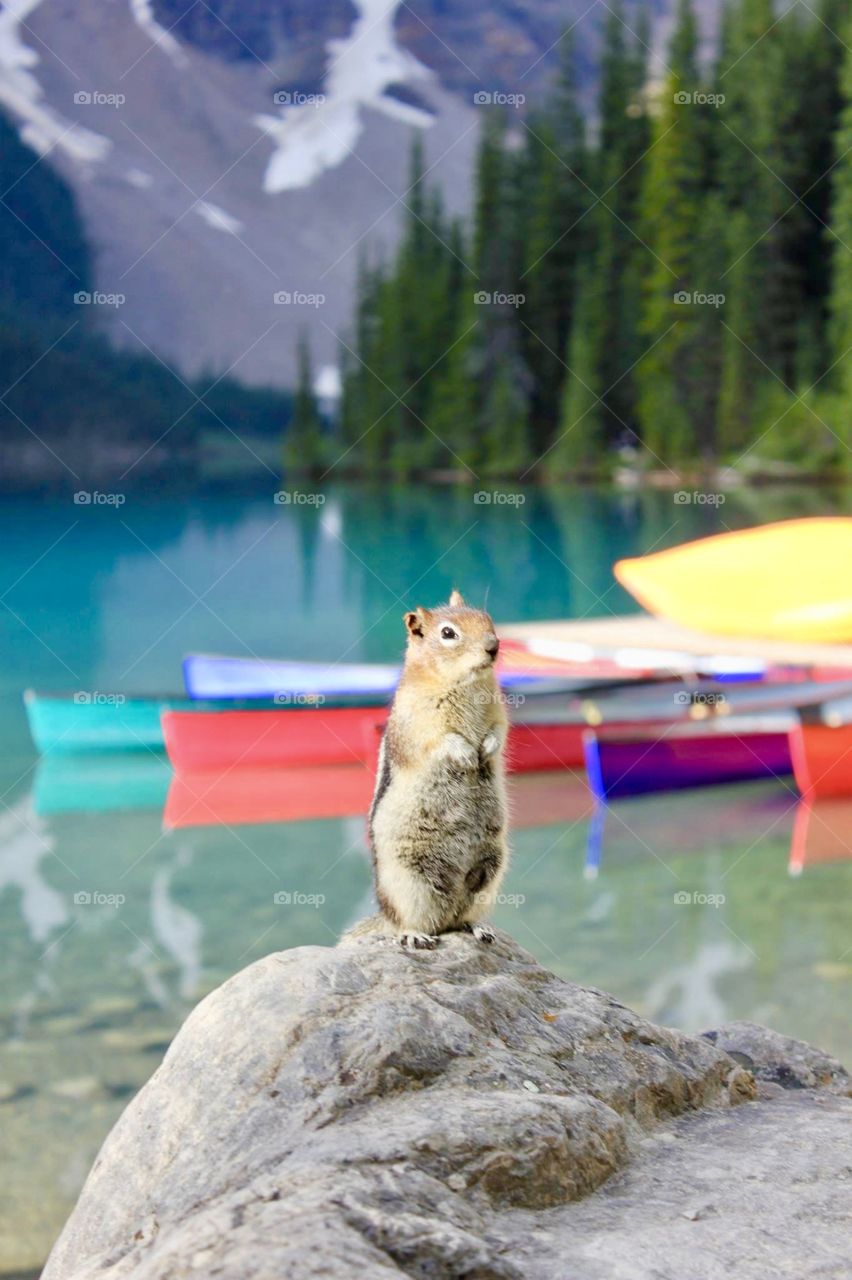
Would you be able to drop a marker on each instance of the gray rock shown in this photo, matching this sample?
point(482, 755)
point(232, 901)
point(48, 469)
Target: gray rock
point(366, 1112)
point(758, 1193)
point(779, 1060)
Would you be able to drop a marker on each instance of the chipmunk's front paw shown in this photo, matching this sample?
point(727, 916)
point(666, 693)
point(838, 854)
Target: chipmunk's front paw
point(460, 752)
point(418, 941)
point(482, 932)
point(490, 745)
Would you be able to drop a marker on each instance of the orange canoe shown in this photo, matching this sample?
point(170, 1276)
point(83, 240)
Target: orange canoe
point(787, 581)
point(822, 759)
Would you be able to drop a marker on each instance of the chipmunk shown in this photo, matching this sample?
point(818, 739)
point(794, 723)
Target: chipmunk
point(437, 823)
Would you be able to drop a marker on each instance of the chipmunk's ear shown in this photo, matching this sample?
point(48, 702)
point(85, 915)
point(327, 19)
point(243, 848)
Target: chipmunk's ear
point(456, 600)
point(414, 622)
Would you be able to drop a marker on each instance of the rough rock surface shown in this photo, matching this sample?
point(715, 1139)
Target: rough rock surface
point(780, 1061)
point(458, 1113)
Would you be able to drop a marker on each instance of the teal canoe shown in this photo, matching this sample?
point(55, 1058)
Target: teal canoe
point(97, 722)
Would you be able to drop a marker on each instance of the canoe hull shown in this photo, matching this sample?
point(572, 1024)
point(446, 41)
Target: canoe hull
point(210, 676)
point(61, 724)
point(207, 676)
point(632, 765)
point(307, 736)
point(199, 740)
point(96, 722)
point(822, 759)
point(779, 581)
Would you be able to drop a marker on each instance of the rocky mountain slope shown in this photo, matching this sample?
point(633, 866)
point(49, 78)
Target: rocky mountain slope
point(231, 160)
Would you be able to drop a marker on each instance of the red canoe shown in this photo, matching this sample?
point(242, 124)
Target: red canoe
point(204, 740)
point(290, 736)
point(238, 797)
point(822, 759)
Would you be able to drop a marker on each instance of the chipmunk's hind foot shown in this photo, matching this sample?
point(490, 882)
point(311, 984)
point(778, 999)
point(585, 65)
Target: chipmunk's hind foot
point(418, 941)
point(482, 932)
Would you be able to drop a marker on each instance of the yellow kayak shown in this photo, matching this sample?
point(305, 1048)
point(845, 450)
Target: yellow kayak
point(789, 581)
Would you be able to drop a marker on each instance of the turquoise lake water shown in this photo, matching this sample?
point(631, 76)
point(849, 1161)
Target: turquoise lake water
point(102, 597)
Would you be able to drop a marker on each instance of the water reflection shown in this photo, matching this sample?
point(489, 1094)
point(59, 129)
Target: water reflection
point(92, 990)
point(24, 845)
point(253, 859)
point(95, 988)
point(230, 575)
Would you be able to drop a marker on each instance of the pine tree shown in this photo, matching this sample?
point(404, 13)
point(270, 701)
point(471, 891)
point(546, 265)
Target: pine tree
point(502, 380)
point(304, 448)
point(821, 111)
point(619, 255)
point(505, 414)
point(841, 296)
point(766, 72)
point(453, 406)
point(695, 200)
point(405, 316)
point(489, 221)
point(556, 198)
point(672, 218)
point(376, 357)
point(453, 414)
point(579, 445)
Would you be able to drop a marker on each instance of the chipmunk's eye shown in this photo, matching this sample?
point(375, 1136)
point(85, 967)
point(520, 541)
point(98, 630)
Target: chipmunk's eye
point(447, 633)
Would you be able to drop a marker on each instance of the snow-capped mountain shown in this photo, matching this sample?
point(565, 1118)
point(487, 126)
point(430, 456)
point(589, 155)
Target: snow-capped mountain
point(232, 159)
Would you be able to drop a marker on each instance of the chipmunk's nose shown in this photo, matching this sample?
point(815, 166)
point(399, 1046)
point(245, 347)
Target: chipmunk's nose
point(492, 645)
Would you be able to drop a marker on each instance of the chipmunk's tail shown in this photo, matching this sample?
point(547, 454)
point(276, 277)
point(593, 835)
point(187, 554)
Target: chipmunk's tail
point(375, 926)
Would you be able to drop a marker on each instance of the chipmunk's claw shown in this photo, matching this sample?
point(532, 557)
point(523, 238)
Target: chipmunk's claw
point(418, 941)
point(482, 932)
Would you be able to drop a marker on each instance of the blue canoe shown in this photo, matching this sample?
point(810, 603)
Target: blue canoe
point(211, 677)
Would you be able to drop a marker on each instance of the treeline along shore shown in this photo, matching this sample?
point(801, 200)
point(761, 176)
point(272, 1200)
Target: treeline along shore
point(669, 283)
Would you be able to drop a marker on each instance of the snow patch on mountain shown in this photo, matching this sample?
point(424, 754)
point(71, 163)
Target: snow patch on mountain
point(317, 134)
point(41, 128)
point(143, 16)
point(218, 218)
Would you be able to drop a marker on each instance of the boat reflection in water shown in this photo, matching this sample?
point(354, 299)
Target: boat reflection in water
point(263, 794)
point(822, 833)
point(87, 783)
point(132, 892)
